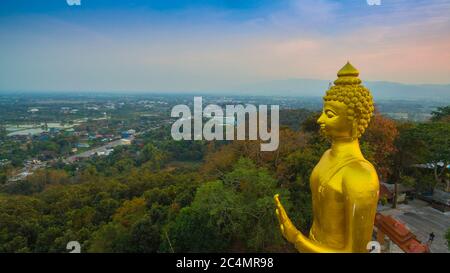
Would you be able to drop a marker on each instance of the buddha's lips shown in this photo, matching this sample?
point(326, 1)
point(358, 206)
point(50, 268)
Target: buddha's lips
point(323, 130)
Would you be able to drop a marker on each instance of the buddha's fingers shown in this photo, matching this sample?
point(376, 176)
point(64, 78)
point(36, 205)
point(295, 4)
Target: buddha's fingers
point(282, 215)
point(276, 198)
point(281, 220)
point(277, 212)
point(283, 231)
point(278, 203)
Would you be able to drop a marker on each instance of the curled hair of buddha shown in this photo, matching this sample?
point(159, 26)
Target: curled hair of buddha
point(348, 90)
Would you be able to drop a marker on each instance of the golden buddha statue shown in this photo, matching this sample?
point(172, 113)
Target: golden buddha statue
point(344, 185)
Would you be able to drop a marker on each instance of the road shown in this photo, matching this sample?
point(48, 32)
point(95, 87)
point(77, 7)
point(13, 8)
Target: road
point(93, 151)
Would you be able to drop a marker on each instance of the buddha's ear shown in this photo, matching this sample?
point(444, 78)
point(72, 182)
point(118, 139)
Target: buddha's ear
point(355, 128)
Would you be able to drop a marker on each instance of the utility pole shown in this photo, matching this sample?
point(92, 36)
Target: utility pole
point(394, 203)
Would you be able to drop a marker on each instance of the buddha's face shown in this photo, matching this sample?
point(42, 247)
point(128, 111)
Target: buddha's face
point(334, 122)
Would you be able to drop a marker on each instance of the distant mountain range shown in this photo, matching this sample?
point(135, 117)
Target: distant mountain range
point(380, 89)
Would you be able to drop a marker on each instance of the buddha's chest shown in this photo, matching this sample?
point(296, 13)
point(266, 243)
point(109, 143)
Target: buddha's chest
point(326, 185)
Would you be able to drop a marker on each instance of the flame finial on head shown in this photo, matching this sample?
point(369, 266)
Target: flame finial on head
point(348, 75)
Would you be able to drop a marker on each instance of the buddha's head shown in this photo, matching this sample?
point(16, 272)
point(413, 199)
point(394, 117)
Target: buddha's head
point(348, 106)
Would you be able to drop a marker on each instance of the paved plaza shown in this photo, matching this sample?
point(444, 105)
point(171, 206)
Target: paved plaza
point(421, 219)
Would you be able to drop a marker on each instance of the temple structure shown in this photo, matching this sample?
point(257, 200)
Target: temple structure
point(399, 234)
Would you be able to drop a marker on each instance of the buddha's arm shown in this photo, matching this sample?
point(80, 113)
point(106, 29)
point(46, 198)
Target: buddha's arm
point(360, 188)
point(294, 236)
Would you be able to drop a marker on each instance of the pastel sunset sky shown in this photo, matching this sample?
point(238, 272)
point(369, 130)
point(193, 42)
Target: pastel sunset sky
point(182, 45)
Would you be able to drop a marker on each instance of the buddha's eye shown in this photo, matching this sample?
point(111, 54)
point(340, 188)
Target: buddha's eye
point(330, 114)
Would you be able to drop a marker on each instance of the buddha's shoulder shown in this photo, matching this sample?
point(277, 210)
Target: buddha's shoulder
point(326, 154)
point(360, 175)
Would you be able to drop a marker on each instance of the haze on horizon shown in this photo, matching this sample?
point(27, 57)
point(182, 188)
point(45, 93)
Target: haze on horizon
point(214, 46)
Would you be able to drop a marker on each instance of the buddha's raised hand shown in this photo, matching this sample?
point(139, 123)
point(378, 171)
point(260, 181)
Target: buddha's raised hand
point(288, 229)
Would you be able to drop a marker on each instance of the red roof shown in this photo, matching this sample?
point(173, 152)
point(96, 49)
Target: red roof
point(399, 234)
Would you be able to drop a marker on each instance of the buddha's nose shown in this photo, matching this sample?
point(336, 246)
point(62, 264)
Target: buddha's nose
point(321, 119)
